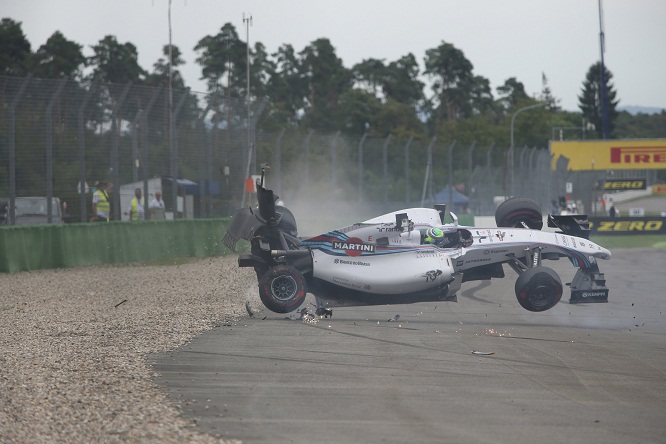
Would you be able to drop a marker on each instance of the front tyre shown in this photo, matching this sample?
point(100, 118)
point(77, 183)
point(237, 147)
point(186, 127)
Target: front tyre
point(538, 289)
point(282, 289)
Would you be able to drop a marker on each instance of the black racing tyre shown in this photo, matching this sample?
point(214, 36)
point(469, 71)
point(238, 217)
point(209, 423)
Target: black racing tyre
point(282, 289)
point(538, 289)
point(513, 211)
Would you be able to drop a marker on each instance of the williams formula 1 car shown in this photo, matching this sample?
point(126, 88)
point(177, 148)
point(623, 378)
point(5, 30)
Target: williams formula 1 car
point(412, 256)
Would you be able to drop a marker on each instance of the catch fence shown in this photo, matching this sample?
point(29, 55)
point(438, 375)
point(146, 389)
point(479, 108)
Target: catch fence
point(58, 137)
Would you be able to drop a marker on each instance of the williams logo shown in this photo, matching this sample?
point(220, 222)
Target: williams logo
point(354, 247)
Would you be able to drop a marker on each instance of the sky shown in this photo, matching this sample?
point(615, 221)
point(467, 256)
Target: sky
point(501, 38)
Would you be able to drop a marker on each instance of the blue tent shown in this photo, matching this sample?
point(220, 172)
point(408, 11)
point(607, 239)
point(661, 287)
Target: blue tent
point(458, 199)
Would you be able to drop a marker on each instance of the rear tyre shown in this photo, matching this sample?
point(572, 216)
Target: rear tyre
point(282, 289)
point(513, 212)
point(538, 289)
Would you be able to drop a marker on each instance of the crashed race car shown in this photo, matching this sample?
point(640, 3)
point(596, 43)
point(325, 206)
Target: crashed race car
point(411, 255)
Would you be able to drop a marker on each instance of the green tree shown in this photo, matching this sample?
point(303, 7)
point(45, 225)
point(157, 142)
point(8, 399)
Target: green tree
point(58, 57)
point(480, 98)
point(532, 128)
point(547, 96)
point(223, 61)
point(261, 69)
point(115, 62)
point(326, 79)
point(14, 49)
point(285, 87)
point(511, 92)
point(160, 74)
point(402, 82)
point(590, 102)
point(359, 110)
point(451, 75)
point(641, 125)
point(370, 76)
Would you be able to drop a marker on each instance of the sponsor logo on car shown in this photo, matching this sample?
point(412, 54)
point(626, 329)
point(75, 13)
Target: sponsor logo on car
point(593, 294)
point(472, 261)
point(491, 251)
point(388, 229)
point(354, 247)
point(431, 275)
point(345, 262)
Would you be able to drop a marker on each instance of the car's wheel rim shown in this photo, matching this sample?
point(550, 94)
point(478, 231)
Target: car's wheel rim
point(283, 288)
point(542, 295)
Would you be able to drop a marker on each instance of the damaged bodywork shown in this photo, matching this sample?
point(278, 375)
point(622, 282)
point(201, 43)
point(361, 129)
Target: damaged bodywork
point(391, 259)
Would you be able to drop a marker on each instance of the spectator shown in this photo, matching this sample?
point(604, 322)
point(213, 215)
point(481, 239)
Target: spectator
point(101, 204)
point(137, 211)
point(612, 212)
point(156, 207)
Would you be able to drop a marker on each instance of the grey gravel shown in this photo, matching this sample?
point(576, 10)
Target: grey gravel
point(74, 346)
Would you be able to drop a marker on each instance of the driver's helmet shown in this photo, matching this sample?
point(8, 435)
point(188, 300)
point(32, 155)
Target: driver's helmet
point(434, 235)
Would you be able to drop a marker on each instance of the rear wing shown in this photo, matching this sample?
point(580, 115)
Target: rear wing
point(571, 224)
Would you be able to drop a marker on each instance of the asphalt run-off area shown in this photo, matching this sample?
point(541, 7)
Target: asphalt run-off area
point(479, 370)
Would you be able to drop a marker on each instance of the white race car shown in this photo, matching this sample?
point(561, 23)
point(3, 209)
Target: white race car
point(412, 256)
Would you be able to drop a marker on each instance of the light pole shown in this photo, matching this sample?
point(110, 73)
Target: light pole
point(513, 120)
point(247, 21)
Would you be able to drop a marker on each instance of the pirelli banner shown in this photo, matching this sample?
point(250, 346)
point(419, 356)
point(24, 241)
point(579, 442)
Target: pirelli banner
point(604, 226)
point(584, 155)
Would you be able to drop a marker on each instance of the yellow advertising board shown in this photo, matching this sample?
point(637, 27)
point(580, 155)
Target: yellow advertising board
point(639, 154)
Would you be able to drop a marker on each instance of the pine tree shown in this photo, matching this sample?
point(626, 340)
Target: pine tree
point(590, 100)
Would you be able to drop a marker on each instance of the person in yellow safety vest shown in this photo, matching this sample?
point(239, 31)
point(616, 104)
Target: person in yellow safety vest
point(137, 211)
point(101, 203)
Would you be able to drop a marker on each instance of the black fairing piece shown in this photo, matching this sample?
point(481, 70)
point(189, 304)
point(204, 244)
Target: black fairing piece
point(483, 273)
point(571, 224)
point(243, 225)
point(588, 286)
point(266, 201)
point(246, 223)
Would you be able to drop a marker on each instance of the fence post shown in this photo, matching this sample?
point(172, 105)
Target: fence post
point(360, 166)
point(427, 182)
point(306, 147)
point(385, 167)
point(450, 162)
point(470, 151)
point(144, 141)
point(136, 162)
point(203, 150)
point(407, 182)
point(49, 149)
point(174, 154)
point(12, 149)
point(334, 161)
point(508, 163)
point(82, 153)
point(114, 151)
point(251, 167)
point(278, 162)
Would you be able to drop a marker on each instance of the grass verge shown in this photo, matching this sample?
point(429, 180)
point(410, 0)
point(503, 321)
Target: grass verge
point(630, 241)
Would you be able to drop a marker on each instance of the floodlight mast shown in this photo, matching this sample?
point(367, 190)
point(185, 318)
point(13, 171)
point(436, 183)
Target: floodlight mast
point(174, 190)
point(247, 21)
point(604, 93)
